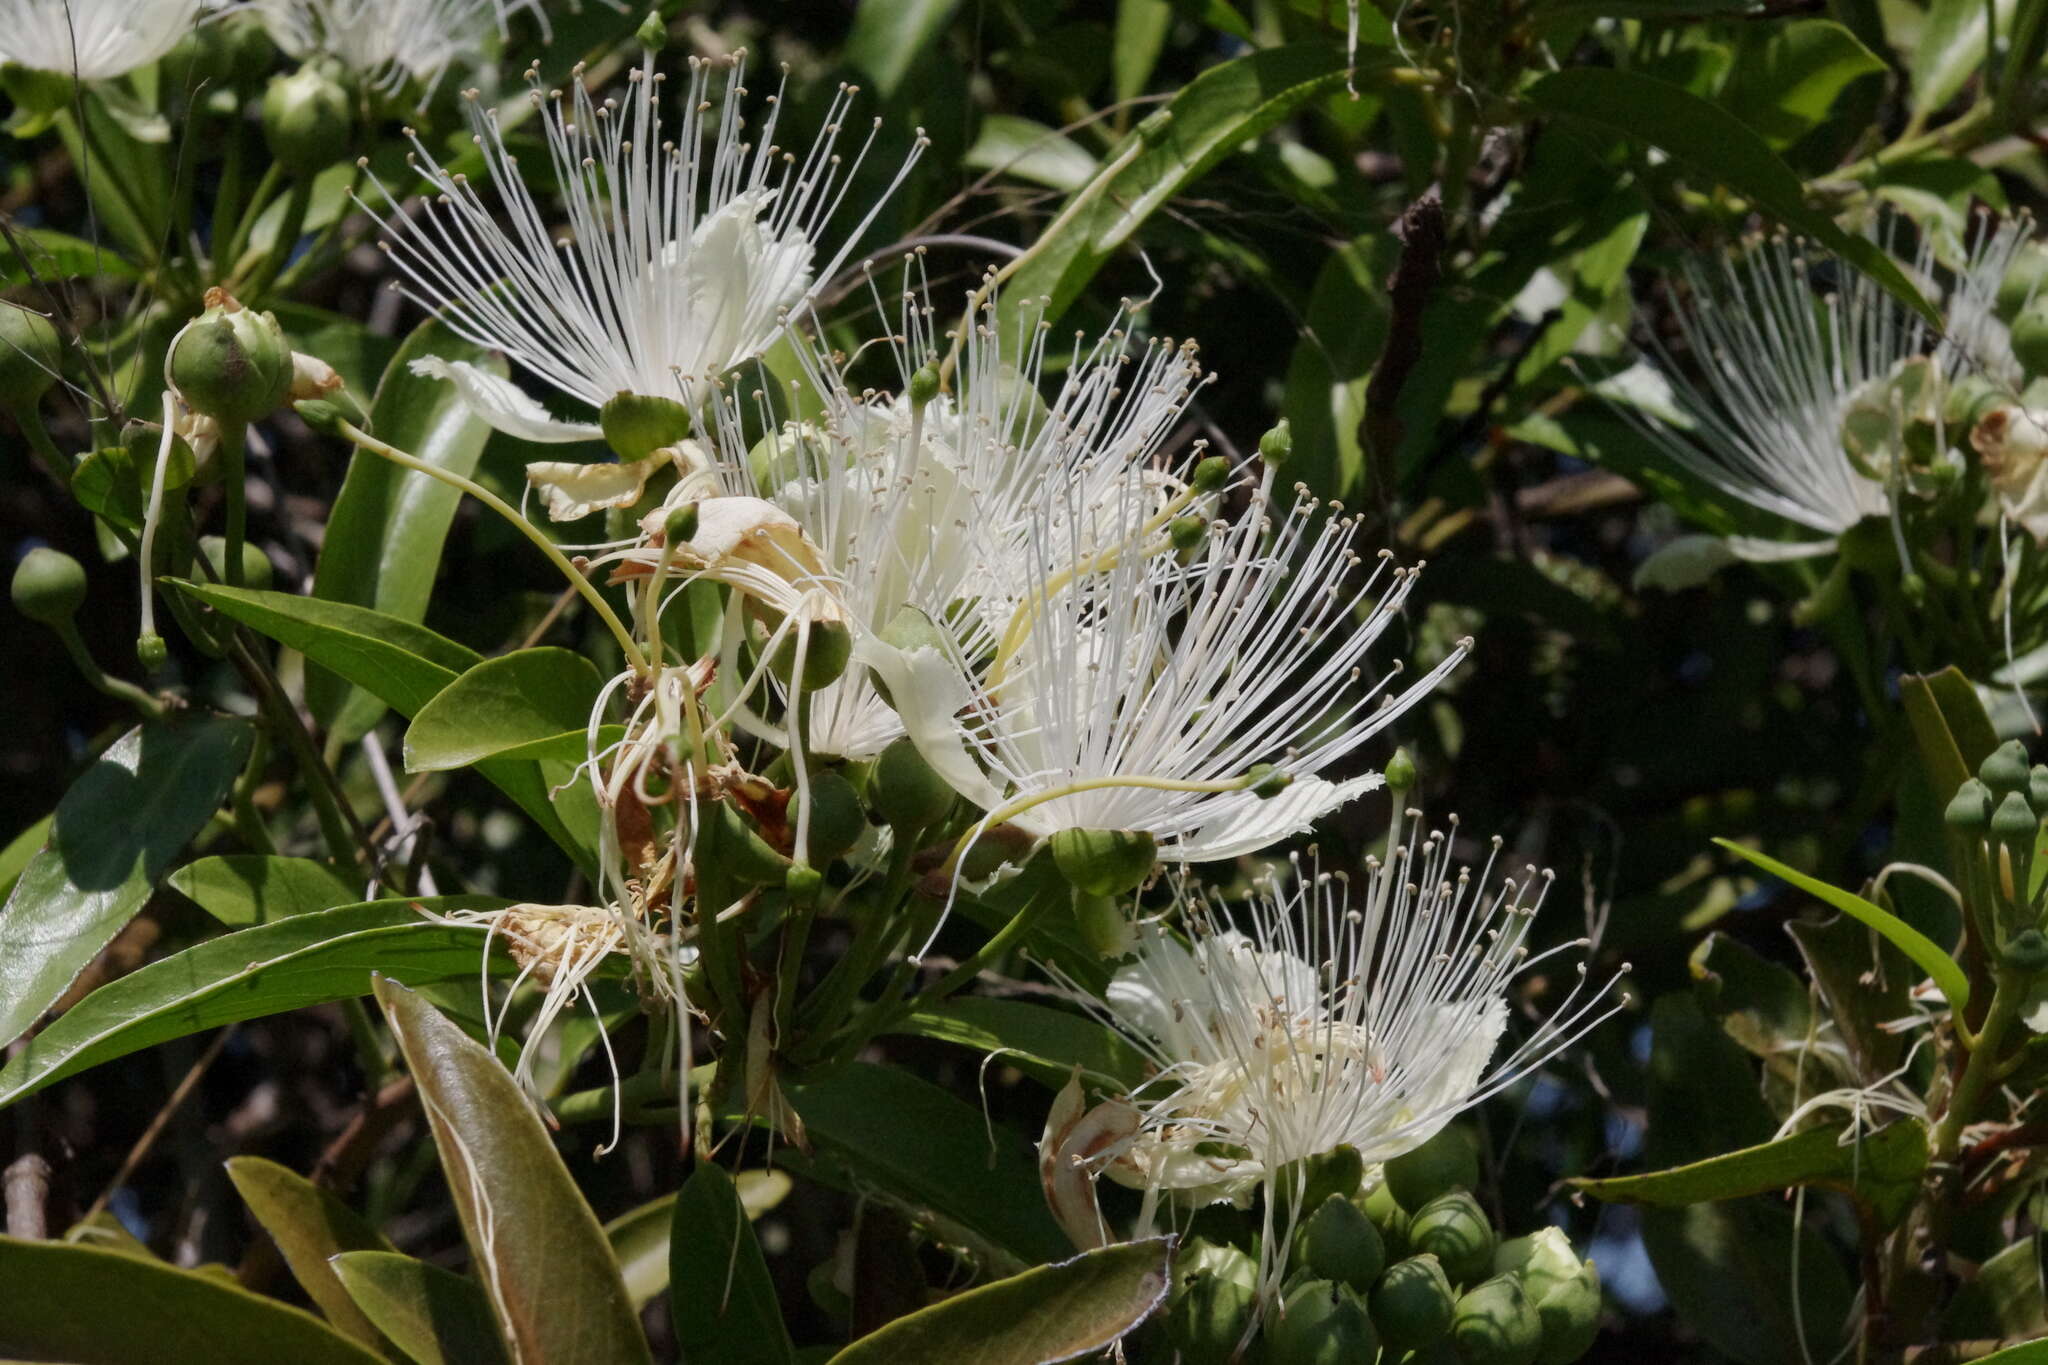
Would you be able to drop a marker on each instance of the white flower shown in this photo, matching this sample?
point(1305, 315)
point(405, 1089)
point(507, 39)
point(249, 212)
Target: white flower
point(386, 41)
point(1978, 341)
point(94, 40)
point(685, 250)
point(1137, 693)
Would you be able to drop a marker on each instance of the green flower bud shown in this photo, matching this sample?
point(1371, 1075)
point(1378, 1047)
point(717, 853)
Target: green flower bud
point(306, 120)
point(836, 818)
point(1570, 1314)
point(906, 792)
point(1185, 533)
point(2025, 280)
point(1210, 474)
point(49, 586)
point(1268, 781)
point(1969, 811)
point(2028, 951)
point(256, 569)
point(1453, 1228)
point(1320, 1323)
point(1338, 1242)
point(151, 652)
point(825, 654)
point(1544, 1259)
point(1213, 1307)
point(993, 847)
point(1447, 1161)
point(924, 385)
point(803, 883)
point(2037, 787)
point(249, 49)
point(1307, 1183)
point(637, 424)
point(2006, 769)
point(1104, 926)
point(326, 413)
point(29, 354)
point(1401, 771)
point(652, 35)
point(230, 363)
point(2014, 821)
point(1496, 1324)
point(1277, 445)
point(681, 525)
point(2030, 337)
point(1413, 1304)
point(1105, 862)
point(1386, 1214)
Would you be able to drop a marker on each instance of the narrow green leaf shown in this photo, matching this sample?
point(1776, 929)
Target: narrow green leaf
point(1141, 29)
point(304, 960)
point(309, 1226)
point(113, 835)
point(546, 1266)
point(1910, 941)
point(1046, 1043)
point(1785, 84)
point(1950, 727)
point(20, 849)
point(890, 36)
point(2031, 1353)
point(1342, 335)
point(1028, 150)
point(89, 1306)
point(254, 888)
point(721, 1299)
point(1049, 1313)
point(433, 1315)
point(640, 1237)
point(55, 256)
point(1883, 1170)
point(503, 706)
point(1713, 141)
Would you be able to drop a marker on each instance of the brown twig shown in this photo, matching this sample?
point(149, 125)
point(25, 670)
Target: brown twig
point(157, 1125)
point(27, 1183)
point(1409, 289)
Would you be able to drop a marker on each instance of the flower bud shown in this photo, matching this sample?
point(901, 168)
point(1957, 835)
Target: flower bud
point(1453, 1228)
point(1185, 533)
point(326, 414)
point(2037, 787)
point(638, 424)
point(248, 47)
point(1338, 1242)
point(1217, 1295)
point(652, 35)
point(230, 363)
point(1968, 399)
point(306, 121)
point(906, 792)
point(924, 385)
point(1268, 781)
point(1969, 811)
point(826, 652)
point(1386, 1214)
point(1496, 1324)
point(2014, 821)
point(681, 524)
point(1105, 862)
point(1210, 474)
point(1320, 1323)
point(256, 569)
point(2006, 769)
point(29, 352)
point(1448, 1161)
point(1400, 771)
point(1104, 926)
point(836, 818)
point(1570, 1314)
point(2030, 337)
point(803, 883)
point(49, 586)
point(1277, 445)
point(1413, 1304)
point(1306, 1183)
point(151, 652)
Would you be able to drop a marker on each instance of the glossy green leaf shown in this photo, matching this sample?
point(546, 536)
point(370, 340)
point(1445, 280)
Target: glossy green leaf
point(1048, 1313)
point(305, 960)
point(254, 888)
point(90, 1306)
point(357, 354)
point(551, 1277)
point(890, 36)
point(433, 1315)
point(113, 835)
point(387, 526)
point(1717, 143)
point(21, 849)
point(2004, 1300)
point(1951, 49)
point(505, 707)
point(1950, 727)
point(1883, 1170)
point(1026, 149)
point(1140, 35)
point(1926, 954)
point(640, 1237)
point(1342, 335)
point(721, 1299)
point(1785, 84)
point(310, 1226)
point(56, 256)
point(2031, 1353)
point(1046, 1043)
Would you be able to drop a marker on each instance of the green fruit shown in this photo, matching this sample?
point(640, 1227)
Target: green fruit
point(1449, 1160)
point(907, 793)
point(1389, 1217)
point(1496, 1324)
point(49, 586)
point(1105, 862)
point(1338, 1242)
point(1453, 1228)
point(638, 424)
point(2030, 337)
point(306, 120)
point(2025, 281)
point(256, 569)
point(1321, 1323)
point(836, 818)
point(1413, 1304)
point(1213, 1305)
point(29, 352)
point(230, 363)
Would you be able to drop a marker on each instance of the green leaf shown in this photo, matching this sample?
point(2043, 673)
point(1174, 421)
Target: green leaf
point(2004, 1299)
point(113, 835)
point(1715, 142)
point(357, 354)
point(55, 256)
point(890, 36)
point(1910, 941)
point(1951, 50)
point(21, 849)
point(433, 1315)
point(2032, 1353)
point(1862, 995)
point(1341, 337)
point(254, 888)
point(1214, 115)
point(305, 960)
point(640, 1237)
point(94, 1307)
point(1950, 727)
point(1141, 29)
point(545, 1264)
point(1784, 85)
point(1028, 150)
point(387, 526)
point(1049, 1313)
point(1047, 1043)
point(1882, 1170)
point(505, 707)
point(721, 1299)
point(309, 1226)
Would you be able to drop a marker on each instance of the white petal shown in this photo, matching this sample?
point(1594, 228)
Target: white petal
point(575, 490)
point(1247, 823)
point(503, 404)
point(929, 692)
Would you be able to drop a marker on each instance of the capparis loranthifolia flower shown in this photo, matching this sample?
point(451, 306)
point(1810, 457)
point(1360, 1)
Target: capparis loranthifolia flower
point(93, 40)
point(685, 250)
point(385, 42)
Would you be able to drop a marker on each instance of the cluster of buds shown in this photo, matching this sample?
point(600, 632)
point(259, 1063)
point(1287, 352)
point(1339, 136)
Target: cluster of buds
point(1995, 823)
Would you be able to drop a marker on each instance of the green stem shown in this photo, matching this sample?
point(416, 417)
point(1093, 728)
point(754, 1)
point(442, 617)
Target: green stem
point(148, 704)
point(338, 825)
point(1982, 1068)
point(234, 483)
point(242, 800)
point(47, 454)
point(229, 257)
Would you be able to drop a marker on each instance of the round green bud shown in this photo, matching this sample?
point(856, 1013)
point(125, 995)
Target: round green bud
point(906, 792)
point(326, 414)
point(200, 55)
point(1209, 1315)
point(1105, 862)
point(1338, 1242)
point(1401, 771)
point(49, 586)
point(1969, 810)
point(1413, 1304)
point(2006, 770)
point(681, 525)
point(1185, 533)
point(1104, 926)
point(230, 363)
point(2028, 951)
point(1210, 474)
point(256, 568)
point(822, 1285)
point(151, 652)
point(2014, 819)
point(638, 424)
point(825, 654)
point(2030, 337)
point(1496, 1324)
point(306, 120)
point(652, 35)
point(1320, 1323)
point(1570, 1314)
point(1544, 1259)
point(2037, 787)
point(1277, 445)
point(29, 354)
point(1306, 1183)
point(924, 385)
point(1449, 1160)
point(1268, 781)
point(803, 883)
point(1386, 1214)
point(1453, 1228)
point(836, 818)
point(2026, 281)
